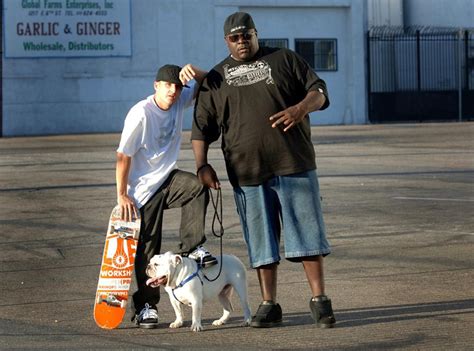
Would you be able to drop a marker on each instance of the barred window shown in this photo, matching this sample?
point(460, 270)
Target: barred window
point(321, 54)
point(274, 43)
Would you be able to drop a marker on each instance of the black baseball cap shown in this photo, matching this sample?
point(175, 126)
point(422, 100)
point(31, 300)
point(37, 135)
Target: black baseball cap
point(237, 23)
point(170, 73)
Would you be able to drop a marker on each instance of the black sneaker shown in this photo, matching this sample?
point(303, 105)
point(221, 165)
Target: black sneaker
point(202, 257)
point(147, 318)
point(268, 315)
point(321, 311)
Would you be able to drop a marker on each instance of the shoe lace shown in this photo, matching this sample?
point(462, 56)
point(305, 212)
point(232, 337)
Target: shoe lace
point(202, 252)
point(147, 312)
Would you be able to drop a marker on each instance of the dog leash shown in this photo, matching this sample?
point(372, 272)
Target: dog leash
point(217, 205)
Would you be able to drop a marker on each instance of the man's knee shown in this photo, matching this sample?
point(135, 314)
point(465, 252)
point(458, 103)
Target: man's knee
point(192, 184)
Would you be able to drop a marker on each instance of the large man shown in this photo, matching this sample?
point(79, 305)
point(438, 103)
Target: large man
point(259, 100)
point(148, 179)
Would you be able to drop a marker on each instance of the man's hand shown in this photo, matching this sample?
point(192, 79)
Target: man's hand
point(293, 115)
point(128, 210)
point(187, 73)
point(190, 72)
point(208, 177)
point(205, 173)
point(289, 117)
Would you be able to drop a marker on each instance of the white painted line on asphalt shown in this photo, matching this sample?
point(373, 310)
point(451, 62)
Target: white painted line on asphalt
point(443, 232)
point(432, 199)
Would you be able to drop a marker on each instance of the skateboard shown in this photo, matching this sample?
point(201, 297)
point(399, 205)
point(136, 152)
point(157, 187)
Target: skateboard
point(116, 270)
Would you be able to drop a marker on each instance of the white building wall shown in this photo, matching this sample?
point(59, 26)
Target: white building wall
point(92, 95)
point(385, 12)
point(439, 13)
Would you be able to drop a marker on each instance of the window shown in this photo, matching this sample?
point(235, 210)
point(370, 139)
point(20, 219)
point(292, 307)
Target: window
point(274, 43)
point(321, 54)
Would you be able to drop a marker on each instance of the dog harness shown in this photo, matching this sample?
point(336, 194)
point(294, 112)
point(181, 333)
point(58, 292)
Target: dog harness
point(185, 281)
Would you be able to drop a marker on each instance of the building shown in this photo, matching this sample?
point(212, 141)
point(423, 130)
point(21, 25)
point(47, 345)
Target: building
point(77, 66)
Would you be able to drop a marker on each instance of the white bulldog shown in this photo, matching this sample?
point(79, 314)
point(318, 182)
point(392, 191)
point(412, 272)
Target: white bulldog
point(185, 284)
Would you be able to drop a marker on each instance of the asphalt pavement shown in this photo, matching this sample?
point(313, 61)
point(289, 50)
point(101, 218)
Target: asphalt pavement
point(399, 209)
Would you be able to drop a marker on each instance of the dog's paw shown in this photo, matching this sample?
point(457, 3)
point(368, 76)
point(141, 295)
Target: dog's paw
point(195, 327)
point(176, 324)
point(218, 322)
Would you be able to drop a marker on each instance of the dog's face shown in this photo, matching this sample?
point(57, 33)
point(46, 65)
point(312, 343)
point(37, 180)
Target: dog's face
point(161, 268)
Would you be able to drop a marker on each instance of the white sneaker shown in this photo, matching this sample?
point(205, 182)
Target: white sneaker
point(203, 257)
point(147, 318)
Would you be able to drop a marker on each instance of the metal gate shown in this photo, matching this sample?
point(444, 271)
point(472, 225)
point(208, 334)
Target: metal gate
point(420, 74)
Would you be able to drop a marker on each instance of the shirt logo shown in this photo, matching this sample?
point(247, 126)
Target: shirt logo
point(248, 74)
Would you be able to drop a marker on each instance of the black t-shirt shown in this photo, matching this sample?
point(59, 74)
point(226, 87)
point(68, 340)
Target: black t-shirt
point(237, 98)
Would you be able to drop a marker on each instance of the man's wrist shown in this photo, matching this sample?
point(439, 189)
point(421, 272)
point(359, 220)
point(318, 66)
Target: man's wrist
point(201, 167)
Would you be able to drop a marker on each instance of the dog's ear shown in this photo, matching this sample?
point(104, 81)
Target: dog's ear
point(177, 259)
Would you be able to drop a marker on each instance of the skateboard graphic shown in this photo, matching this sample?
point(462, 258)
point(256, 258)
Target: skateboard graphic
point(116, 270)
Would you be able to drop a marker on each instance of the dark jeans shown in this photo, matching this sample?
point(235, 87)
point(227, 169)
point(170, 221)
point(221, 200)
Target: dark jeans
point(181, 189)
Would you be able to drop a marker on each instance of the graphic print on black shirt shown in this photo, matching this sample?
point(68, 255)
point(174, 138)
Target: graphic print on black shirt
point(248, 74)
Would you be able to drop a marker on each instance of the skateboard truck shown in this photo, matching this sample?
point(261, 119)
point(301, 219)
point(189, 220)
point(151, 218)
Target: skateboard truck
point(112, 300)
point(125, 233)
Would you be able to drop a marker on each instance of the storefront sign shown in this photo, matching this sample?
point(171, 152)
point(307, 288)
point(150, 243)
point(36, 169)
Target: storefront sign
point(67, 28)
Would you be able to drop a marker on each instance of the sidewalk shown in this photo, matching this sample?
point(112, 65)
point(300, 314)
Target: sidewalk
point(399, 211)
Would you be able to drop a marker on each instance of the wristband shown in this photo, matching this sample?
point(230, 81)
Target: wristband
point(201, 167)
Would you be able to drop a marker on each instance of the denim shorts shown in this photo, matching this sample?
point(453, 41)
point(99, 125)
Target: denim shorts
point(290, 205)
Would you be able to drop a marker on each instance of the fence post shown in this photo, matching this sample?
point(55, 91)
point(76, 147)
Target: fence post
point(418, 75)
point(466, 60)
point(369, 116)
point(460, 55)
point(418, 61)
point(1, 70)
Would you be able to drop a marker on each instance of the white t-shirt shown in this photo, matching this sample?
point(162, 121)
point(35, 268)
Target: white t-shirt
point(152, 137)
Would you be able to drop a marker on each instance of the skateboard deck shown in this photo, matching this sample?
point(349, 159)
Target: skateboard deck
point(116, 270)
